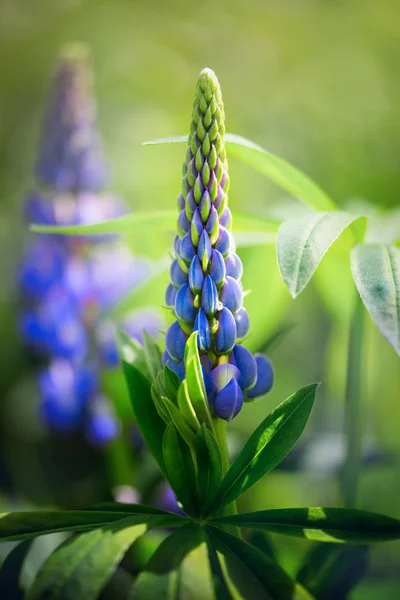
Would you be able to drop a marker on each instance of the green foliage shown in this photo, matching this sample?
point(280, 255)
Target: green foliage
point(10, 572)
point(179, 468)
point(174, 548)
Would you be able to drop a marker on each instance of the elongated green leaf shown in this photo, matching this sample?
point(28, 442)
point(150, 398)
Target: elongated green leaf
point(174, 548)
point(179, 468)
point(320, 524)
point(181, 424)
point(152, 354)
point(276, 169)
point(172, 383)
point(160, 405)
point(81, 568)
point(302, 243)
point(195, 381)
point(129, 509)
point(275, 583)
point(209, 465)
point(222, 590)
point(186, 407)
point(376, 272)
point(10, 572)
point(268, 445)
point(150, 423)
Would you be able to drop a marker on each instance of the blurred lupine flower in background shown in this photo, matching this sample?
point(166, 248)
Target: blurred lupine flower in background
point(205, 293)
point(68, 283)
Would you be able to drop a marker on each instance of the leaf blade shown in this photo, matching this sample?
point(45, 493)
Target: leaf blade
point(170, 554)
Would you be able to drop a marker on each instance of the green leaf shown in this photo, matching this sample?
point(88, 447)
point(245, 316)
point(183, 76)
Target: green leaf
point(160, 406)
point(172, 383)
point(275, 584)
point(179, 468)
point(303, 242)
point(129, 509)
point(268, 445)
point(209, 465)
point(150, 423)
point(276, 169)
point(320, 524)
point(222, 589)
point(186, 407)
point(10, 572)
point(152, 354)
point(81, 568)
point(331, 571)
point(376, 272)
point(174, 549)
point(181, 424)
point(195, 381)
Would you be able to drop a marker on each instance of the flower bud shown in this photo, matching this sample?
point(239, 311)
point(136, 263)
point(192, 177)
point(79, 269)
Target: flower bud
point(205, 206)
point(265, 377)
point(183, 224)
point(204, 250)
point(170, 295)
point(247, 365)
point(187, 250)
point(212, 225)
point(217, 269)
point(223, 243)
point(181, 202)
point(196, 227)
point(184, 307)
point(190, 205)
point(175, 341)
point(219, 378)
point(181, 370)
point(225, 336)
point(226, 218)
point(209, 296)
point(228, 401)
point(177, 275)
point(234, 266)
point(231, 295)
point(177, 244)
point(202, 326)
point(196, 276)
point(242, 323)
point(221, 200)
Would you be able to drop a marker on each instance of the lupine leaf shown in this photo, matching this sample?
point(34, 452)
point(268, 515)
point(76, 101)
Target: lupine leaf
point(275, 168)
point(221, 583)
point(268, 445)
point(186, 407)
point(209, 465)
point(302, 243)
point(172, 383)
point(81, 568)
point(10, 572)
point(160, 405)
point(376, 272)
point(174, 548)
point(179, 471)
point(273, 581)
point(195, 381)
point(150, 423)
point(129, 509)
point(152, 354)
point(180, 422)
point(320, 524)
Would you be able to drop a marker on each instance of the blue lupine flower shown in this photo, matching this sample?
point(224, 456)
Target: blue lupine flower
point(66, 283)
point(206, 270)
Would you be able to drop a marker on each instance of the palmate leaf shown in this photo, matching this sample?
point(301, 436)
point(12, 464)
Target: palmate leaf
point(82, 567)
point(320, 524)
point(209, 466)
point(171, 552)
point(275, 168)
point(303, 242)
point(268, 445)
point(376, 272)
point(179, 468)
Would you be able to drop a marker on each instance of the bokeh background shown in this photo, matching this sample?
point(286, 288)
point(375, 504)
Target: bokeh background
point(314, 81)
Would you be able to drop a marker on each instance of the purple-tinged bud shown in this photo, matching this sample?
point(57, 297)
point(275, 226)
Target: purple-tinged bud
point(196, 227)
point(205, 206)
point(219, 378)
point(223, 242)
point(226, 218)
point(190, 205)
point(202, 325)
point(181, 202)
point(206, 365)
point(184, 307)
point(217, 269)
point(231, 295)
point(221, 200)
point(242, 323)
point(170, 295)
point(181, 370)
point(213, 187)
point(225, 337)
point(209, 296)
point(183, 224)
point(228, 401)
point(196, 276)
point(102, 426)
point(177, 244)
point(234, 266)
point(165, 358)
point(204, 250)
point(187, 250)
point(247, 365)
point(175, 341)
point(198, 189)
point(174, 366)
point(177, 275)
point(265, 377)
point(191, 173)
point(212, 225)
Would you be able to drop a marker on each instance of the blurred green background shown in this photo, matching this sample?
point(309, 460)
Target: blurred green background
point(314, 81)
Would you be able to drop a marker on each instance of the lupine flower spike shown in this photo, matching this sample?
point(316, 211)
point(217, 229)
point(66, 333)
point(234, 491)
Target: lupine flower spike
point(67, 283)
point(205, 292)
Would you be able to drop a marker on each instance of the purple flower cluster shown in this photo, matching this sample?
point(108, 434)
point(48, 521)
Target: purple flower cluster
point(67, 284)
point(205, 292)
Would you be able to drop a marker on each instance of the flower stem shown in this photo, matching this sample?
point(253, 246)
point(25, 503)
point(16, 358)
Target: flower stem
point(354, 397)
point(220, 432)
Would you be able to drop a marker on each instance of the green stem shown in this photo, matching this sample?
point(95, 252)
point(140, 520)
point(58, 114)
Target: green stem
point(354, 425)
point(220, 433)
